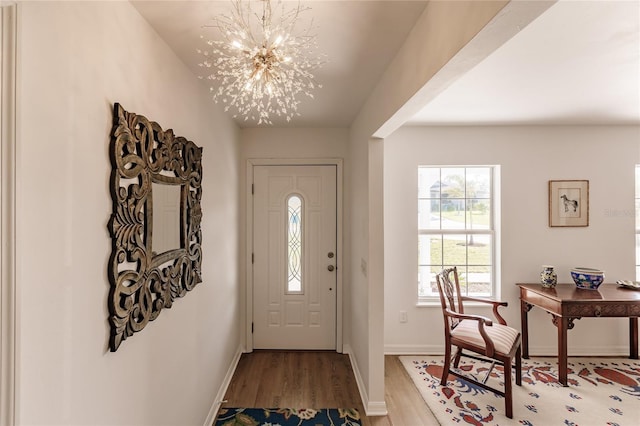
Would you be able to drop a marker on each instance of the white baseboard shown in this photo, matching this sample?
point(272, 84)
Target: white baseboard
point(414, 350)
point(376, 409)
point(371, 408)
point(217, 403)
point(582, 351)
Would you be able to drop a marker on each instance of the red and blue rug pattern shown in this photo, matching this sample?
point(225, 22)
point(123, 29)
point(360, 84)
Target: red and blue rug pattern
point(288, 417)
point(601, 391)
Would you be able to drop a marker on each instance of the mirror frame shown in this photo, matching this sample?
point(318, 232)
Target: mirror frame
point(143, 282)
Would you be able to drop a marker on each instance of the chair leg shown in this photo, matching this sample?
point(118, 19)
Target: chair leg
point(447, 365)
point(508, 398)
point(456, 361)
point(519, 366)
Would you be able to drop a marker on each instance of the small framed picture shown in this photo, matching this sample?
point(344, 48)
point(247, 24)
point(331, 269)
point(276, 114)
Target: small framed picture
point(568, 203)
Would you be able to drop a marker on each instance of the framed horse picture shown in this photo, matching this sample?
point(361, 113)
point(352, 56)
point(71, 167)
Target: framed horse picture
point(568, 203)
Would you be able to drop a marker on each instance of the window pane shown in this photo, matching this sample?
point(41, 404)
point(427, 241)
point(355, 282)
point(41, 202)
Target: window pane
point(428, 214)
point(453, 216)
point(462, 277)
point(428, 182)
point(427, 286)
point(479, 249)
point(478, 213)
point(294, 244)
point(453, 183)
point(478, 281)
point(478, 183)
point(430, 249)
point(454, 250)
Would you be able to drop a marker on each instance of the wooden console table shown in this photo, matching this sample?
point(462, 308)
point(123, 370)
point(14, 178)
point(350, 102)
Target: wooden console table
point(567, 303)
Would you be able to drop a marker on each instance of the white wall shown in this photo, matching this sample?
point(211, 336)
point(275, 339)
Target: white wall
point(273, 142)
point(528, 157)
point(293, 143)
point(440, 33)
point(76, 59)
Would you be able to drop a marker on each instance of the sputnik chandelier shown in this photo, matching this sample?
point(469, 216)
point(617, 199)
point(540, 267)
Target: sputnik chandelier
point(263, 64)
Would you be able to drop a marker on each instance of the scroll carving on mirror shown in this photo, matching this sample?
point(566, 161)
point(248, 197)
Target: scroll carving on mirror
point(144, 281)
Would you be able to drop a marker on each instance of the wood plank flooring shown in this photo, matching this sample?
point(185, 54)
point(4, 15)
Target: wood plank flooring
point(309, 379)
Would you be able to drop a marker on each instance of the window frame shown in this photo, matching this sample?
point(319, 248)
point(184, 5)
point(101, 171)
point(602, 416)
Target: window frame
point(492, 232)
point(637, 217)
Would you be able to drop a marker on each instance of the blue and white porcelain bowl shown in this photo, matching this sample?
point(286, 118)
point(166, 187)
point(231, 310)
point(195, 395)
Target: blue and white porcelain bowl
point(587, 278)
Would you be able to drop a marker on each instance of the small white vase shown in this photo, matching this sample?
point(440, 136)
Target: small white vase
point(548, 277)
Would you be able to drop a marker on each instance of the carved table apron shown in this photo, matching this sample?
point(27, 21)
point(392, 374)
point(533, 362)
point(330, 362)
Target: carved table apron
point(567, 303)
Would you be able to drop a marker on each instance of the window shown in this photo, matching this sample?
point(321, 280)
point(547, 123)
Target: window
point(456, 228)
point(294, 244)
point(637, 212)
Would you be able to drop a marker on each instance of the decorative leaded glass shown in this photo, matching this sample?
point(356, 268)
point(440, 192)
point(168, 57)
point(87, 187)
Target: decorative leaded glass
point(294, 244)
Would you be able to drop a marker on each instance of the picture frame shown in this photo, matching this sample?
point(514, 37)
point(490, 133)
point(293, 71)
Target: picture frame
point(568, 203)
point(149, 269)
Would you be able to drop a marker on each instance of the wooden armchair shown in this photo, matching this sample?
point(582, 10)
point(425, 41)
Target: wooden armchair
point(495, 343)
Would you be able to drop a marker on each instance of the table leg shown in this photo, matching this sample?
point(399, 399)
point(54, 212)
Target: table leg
point(524, 322)
point(633, 337)
point(562, 325)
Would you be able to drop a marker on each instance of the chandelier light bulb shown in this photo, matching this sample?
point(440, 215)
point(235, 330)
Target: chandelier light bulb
point(260, 77)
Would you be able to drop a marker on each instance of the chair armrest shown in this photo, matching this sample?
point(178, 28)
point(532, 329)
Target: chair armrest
point(479, 318)
point(482, 321)
point(483, 300)
point(495, 303)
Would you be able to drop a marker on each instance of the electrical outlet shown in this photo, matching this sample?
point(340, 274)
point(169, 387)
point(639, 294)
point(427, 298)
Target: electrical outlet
point(403, 316)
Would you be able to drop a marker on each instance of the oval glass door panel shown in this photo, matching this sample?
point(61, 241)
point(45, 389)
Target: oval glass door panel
point(294, 245)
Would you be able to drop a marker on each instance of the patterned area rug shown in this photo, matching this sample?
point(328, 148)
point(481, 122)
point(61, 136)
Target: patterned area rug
point(601, 391)
point(288, 417)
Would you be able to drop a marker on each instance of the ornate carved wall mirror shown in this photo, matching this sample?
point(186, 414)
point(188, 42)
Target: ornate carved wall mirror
point(155, 224)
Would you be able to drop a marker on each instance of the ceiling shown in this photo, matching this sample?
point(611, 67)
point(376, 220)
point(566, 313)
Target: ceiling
point(578, 63)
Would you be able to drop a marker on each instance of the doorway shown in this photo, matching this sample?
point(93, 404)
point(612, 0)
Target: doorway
point(294, 289)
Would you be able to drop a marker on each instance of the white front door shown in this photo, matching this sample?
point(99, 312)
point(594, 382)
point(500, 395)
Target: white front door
point(294, 250)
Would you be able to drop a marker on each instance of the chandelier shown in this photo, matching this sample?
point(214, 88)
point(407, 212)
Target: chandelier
point(263, 63)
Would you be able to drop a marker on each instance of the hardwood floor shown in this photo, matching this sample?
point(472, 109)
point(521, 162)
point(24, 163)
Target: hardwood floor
point(307, 379)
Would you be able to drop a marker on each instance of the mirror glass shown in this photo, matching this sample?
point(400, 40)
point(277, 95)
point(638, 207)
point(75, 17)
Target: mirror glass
point(166, 217)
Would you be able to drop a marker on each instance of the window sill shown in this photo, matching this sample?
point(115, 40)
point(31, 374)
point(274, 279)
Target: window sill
point(428, 304)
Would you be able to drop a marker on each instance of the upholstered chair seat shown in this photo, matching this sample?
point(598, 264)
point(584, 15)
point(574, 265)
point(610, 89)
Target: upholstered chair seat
point(504, 337)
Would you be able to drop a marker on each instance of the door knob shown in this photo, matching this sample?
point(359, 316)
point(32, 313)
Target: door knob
point(331, 268)
point(330, 255)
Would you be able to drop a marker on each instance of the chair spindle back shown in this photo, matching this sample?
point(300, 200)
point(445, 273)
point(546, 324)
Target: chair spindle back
point(450, 297)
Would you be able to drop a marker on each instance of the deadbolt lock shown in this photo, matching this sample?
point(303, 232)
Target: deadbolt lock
point(331, 268)
point(330, 255)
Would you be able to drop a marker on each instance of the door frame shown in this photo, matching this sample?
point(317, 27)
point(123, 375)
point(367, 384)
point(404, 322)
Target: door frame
point(253, 162)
